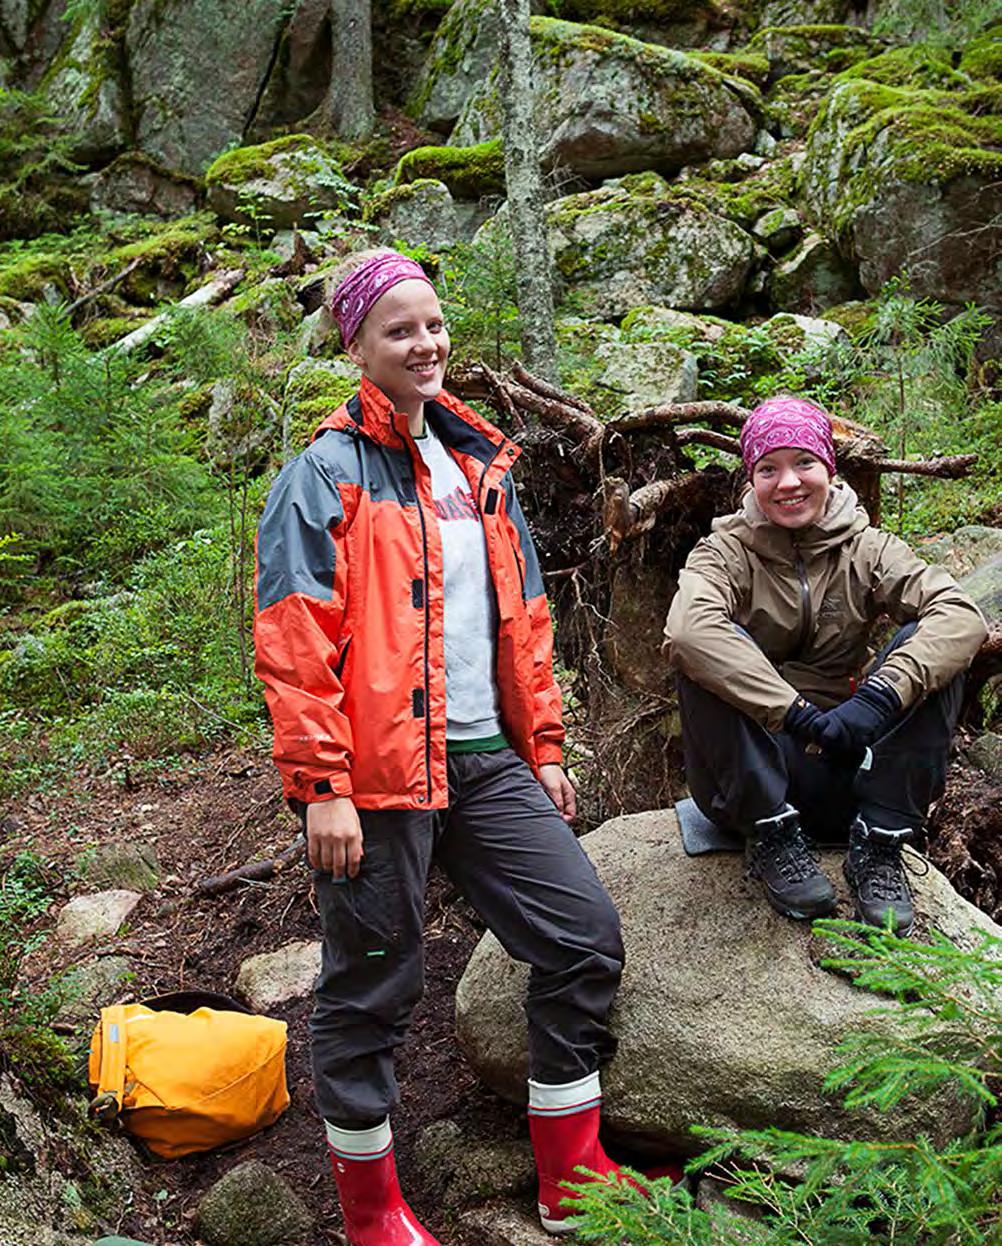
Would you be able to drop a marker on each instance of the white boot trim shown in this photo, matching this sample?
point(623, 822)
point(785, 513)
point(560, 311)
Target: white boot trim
point(557, 1227)
point(565, 1099)
point(360, 1144)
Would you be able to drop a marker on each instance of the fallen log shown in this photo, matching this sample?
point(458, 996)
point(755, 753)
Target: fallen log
point(215, 291)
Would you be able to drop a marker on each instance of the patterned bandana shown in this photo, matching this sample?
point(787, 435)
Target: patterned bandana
point(786, 423)
point(352, 301)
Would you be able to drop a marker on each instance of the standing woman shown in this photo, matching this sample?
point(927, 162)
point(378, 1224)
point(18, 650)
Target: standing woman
point(405, 644)
point(789, 721)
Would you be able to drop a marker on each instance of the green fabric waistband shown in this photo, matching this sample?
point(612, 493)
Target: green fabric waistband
point(486, 744)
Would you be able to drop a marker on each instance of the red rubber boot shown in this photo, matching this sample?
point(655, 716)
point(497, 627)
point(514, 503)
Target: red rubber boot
point(374, 1210)
point(563, 1126)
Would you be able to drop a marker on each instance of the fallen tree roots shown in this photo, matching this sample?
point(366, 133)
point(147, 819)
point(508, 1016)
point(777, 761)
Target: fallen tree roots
point(599, 448)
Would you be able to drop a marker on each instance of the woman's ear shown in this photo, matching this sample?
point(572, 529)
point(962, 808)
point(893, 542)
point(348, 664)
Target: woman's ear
point(355, 353)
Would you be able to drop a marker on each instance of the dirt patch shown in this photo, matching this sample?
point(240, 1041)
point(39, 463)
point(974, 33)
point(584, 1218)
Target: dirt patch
point(216, 813)
point(211, 816)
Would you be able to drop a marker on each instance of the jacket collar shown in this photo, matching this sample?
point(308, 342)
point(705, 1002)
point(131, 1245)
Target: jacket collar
point(371, 414)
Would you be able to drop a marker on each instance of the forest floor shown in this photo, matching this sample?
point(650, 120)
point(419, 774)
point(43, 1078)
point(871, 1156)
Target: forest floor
point(211, 814)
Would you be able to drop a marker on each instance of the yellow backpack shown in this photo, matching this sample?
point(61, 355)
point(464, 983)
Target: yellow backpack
point(187, 1082)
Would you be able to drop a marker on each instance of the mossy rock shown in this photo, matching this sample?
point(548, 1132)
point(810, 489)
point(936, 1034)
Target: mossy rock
point(469, 172)
point(415, 214)
point(909, 181)
point(753, 66)
point(982, 58)
point(105, 330)
point(171, 259)
point(33, 278)
point(280, 184)
point(607, 104)
point(792, 103)
point(738, 193)
point(798, 49)
point(316, 388)
point(270, 306)
point(924, 66)
point(616, 250)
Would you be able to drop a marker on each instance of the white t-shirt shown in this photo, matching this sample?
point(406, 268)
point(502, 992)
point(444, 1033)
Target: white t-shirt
point(470, 611)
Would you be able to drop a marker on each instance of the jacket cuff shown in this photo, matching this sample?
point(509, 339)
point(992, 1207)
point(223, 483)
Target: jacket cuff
point(549, 754)
point(314, 791)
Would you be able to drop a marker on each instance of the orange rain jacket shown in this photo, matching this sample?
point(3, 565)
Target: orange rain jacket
point(349, 624)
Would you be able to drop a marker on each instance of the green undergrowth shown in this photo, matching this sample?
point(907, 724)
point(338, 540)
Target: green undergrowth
point(781, 1187)
point(31, 1050)
point(38, 190)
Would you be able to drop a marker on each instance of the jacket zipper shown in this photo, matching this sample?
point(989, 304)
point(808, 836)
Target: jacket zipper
point(805, 603)
point(427, 631)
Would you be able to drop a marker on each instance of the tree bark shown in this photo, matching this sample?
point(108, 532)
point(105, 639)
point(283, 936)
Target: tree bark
point(525, 192)
point(349, 109)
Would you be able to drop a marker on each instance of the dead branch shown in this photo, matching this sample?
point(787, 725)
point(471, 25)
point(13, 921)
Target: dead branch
point(672, 413)
point(105, 286)
point(546, 390)
point(627, 515)
point(705, 437)
point(948, 467)
point(254, 871)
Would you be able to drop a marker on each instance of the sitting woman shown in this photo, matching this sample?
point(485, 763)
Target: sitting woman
point(786, 713)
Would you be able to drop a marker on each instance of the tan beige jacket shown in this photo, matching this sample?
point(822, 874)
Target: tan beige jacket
point(809, 599)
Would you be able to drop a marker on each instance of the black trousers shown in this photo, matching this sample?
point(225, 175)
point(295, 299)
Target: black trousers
point(738, 772)
point(504, 845)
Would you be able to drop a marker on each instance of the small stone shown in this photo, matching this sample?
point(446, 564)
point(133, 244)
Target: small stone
point(273, 977)
point(644, 374)
point(986, 754)
point(95, 916)
point(778, 229)
point(253, 1206)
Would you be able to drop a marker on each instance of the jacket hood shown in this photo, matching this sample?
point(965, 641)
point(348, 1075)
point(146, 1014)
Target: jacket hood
point(843, 518)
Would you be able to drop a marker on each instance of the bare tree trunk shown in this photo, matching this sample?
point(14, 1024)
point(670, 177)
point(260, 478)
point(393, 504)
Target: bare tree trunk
point(349, 109)
point(525, 192)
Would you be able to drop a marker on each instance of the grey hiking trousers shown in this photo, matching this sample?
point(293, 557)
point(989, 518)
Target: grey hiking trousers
point(738, 772)
point(505, 847)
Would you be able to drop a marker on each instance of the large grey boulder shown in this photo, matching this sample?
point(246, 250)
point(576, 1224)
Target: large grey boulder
point(39, 1204)
point(964, 550)
point(607, 104)
point(87, 95)
point(814, 277)
point(620, 247)
point(644, 374)
point(420, 213)
point(909, 181)
point(725, 1016)
point(460, 58)
point(197, 69)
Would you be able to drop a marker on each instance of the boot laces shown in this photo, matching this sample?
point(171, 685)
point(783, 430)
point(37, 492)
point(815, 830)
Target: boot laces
point(785, 849)
point(883, 867)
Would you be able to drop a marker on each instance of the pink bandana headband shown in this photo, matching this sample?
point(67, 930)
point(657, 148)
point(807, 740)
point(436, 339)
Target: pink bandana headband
point(786, 423)
point(354, 297)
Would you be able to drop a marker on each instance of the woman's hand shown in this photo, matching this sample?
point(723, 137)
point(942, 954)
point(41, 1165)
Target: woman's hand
point(560, 790)
point(334, 837)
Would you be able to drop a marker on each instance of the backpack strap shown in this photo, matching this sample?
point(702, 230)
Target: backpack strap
point(107, 1103)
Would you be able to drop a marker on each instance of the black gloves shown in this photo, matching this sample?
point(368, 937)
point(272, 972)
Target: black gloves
point(801, 720)
point(850, 728)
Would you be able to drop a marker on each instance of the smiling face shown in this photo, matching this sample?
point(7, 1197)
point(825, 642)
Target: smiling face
point(403, 347)
point(791, 487)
